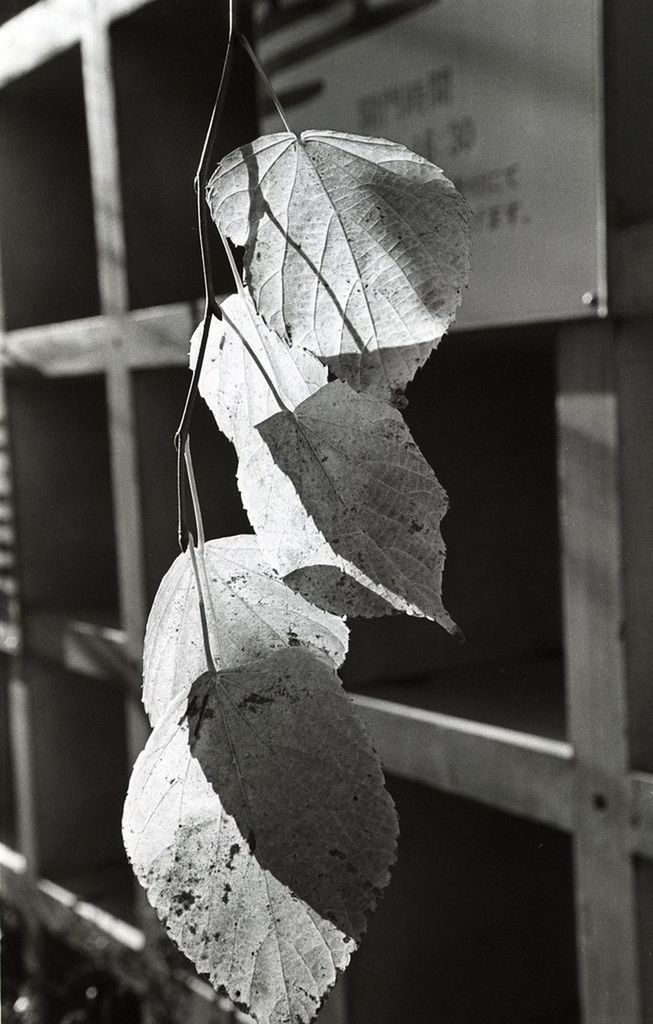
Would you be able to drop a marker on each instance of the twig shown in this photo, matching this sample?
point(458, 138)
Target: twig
point(197, 511)
point(246, 303)
point(205, 626)
point(211, 307)
point(244, 42)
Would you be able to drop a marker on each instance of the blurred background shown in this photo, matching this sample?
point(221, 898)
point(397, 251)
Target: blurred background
point(521, 761)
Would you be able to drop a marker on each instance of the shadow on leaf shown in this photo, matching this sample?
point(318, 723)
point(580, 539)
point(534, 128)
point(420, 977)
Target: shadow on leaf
point(281, 744)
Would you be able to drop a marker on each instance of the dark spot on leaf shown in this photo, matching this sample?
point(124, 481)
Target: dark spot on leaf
point(251, 841)
point(186, 899)
point(225, 893)
point(416, 527)
point(337, 853)
point(235, 848)
point(293, 639)
point(254, 700)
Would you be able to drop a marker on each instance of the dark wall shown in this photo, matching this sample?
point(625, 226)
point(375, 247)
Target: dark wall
point(477, 925)
point(63, 494)
point(483, 413)
point(46, 213)
point(167, 59)
point(159, 396)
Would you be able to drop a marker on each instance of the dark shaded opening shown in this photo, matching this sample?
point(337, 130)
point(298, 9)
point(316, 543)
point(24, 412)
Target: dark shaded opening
point(46, 212)
point(63, 494)
point(167, 59)
point(483, 412)
point(159, 397)
point(477, 924)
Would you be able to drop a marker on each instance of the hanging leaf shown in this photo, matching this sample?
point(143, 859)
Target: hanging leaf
point(231, 382)
point(283, 747)
point(239, 397)
point(355, 248)
point(250, 613)
point(263, 947)
point(366, 489)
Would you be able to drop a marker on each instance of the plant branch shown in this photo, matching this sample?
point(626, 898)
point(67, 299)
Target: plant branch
point(247, 303)
point(211, 307)
point(200, 596)
point(197, 511)
point(244, 42)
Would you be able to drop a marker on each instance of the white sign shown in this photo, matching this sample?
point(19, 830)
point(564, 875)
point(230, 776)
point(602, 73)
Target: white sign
point(504, 96)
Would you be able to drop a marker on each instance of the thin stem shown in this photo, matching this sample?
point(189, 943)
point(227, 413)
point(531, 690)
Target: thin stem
point(205, 626)
point(183, 430)
point(244, 42)
point(201, 178)
point(246, 302)
point(197, 512)
point(211, 307)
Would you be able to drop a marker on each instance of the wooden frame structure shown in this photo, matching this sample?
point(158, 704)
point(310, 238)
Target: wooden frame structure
point(597, 785)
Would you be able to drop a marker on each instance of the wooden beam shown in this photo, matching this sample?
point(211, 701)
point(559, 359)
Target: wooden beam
point(49, 27)
point(515, 772)
point(634, 381)
point(587, 411)
point(112, 9)
point(103, 155)
point(69, 349)
point(87, 648)
point(503, 768)
point(153, 337)
point(113, 945)
point(38, 33)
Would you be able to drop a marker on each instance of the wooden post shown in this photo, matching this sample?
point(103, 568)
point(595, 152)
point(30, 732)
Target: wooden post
point(112, 274)
point(594, 630)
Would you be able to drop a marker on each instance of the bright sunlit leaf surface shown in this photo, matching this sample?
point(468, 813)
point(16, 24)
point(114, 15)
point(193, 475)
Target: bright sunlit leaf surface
point(355, 248)
point(257, 941)
point(250, 612)
point(333, 555)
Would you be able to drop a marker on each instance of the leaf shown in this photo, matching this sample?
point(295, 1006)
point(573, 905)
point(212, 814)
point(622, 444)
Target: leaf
point(259, 944)
point(366, 489)
point(250, 612)
point(239, 398)
point(355, 248)
point(283, 747)
point(232, 384)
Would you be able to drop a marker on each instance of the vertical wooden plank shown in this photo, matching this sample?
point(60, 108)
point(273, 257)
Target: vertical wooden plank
point(128, 526)
point(587, 409)
point(21, 729)
point(103, 155)
point(112, 277)
point(634, 367)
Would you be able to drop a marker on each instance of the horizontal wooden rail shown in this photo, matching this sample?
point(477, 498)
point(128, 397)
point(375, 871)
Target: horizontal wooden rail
point(49, 27)
point(144, 338)
point(512, 771)
point(527, 775)
point(111, 944)
point(38, 33)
